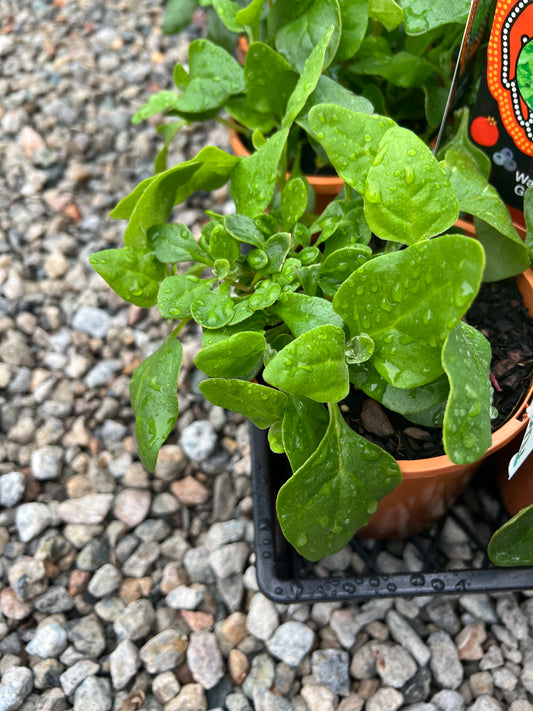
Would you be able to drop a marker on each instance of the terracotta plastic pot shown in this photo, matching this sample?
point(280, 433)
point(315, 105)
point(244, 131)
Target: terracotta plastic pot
point(326, 188)
point(430, 486)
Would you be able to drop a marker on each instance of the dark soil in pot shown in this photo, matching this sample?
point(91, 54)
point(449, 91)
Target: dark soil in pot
point(500, 315)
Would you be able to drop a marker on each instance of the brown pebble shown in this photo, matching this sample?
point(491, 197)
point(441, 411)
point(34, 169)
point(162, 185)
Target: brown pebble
point(198, 621)
point(134, 589)
point(189, 491)
point(375, 420)
point(78, 581)
point(233, 628)
point(238, 666)
point(469, 642)
point(12, 607)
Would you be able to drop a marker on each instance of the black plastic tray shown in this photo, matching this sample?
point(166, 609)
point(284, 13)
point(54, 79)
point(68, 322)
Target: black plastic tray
point(285, 577)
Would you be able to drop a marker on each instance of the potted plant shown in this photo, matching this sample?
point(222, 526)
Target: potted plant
point(296, 310)
point(395, 59)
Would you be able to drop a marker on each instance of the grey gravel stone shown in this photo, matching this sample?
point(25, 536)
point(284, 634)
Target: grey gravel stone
point(485, 703)
point(48, 641)
point(330, 668)
point(385, 699)
point(204, 659)
point(394, 664)
point(72, 677)
point(199, 440)
point(31, 519)
point(291, 642)
point(28, 577)
point(260, 676)
point(165, 651)
point(136, 621)
point(184, 598)
point(12, 487)
point(93, 694)
point(46, 462)
point(445, 664)
point(16, 684)
point(263, 618)
point(402, 632)
point(95, 322)
point(124, 661)
point(448, 700)
point(105, 581)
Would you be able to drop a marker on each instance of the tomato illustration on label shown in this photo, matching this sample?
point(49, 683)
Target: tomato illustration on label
point(510, 69)
point(484, 131)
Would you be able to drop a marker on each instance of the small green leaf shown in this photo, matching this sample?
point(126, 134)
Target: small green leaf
point(233, 357)
point(177, 292)
point(275, 439)
point(512, 544)
point(265, 294)
point(276, 249)
point(466, 359)
point(214, 77)
point(337, 127)
point(174, 243)
point(244, 230)
point(338, 266)
point(301, 313)
point(422, 17)
point(308, 79)
point(222, 245)
point(328, 499)
point(161, 101)
point(253, 322)
point(296, 40)
point(359, 349)
point(408, 301)
point(262, 405)
point(154, 399)
point(304, 424)
point(215, 308)
point(250, 16)
point(133, 274)
point(167, 131)
point(178, 15)
point(461, 142)
point(312, 365)
point(408, 196)
point(293, 202)
point(254, 178)
point(388, 12)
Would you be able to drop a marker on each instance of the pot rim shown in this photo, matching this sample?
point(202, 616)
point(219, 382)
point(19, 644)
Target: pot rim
point(420, 468)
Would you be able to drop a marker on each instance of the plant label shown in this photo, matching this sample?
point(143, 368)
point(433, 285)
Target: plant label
point(525, 448)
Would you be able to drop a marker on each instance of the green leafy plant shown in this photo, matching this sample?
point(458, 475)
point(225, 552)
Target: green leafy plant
point(392, 57)
point(295, 309)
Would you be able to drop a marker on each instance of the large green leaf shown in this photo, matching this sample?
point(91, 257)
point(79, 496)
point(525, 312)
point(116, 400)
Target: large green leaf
point(304, 424)
point(133, 274)
point(262, 405)
point(466, 359)
point(420, 17)
point(354, 21)
point(504, 257)
point(154, 399)
point(408, 196)
point(312, 365)
point(269, 80)
point(233, 357)
point(254, 178)
point(214, 77)
point(301, 313)
point(512, 544)
point(350, 138)
point(388, 12)
point(408, 301)
point(334, 492)
point(297, 39)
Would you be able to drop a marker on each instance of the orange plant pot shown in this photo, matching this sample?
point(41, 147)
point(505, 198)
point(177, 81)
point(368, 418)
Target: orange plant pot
point(430, 486)
point(326, 188)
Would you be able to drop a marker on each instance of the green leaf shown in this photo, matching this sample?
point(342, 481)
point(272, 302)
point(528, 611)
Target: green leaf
point(408, 301)
point(269, 80)
point(275, 440)
point(276, 249)
point(304, 425)
point(293, 202)
point(161, 101)
point(265, 294)
point(507, 255)
point(235, 356)
point(359, 349)
point(177, 292)
point(408, 197)
point(250, 16)
point(334, 492)
point(302, 313)
point(154, 399)
point(435, 100)
point(297, 39)
point(404, 401)
point(512, 544)
point(152, 201)
point(388, 12)
point(461, 142)
point(214, 77)
point(354, 21)
point(254, 178)
point(262, 405)
point(167, 131)
point(338, 266)
point(312, 365)
point(423, 17)
point(337, 127)
point(214, 308)
point(254, 322)
point(178, 15)
point(238, 107)
point(222, 245)
point(174, 243)
point(133, 274)
point(401, 68)
point(244, 229)
point(504, 257)
point(308, 78)
point(466, 359)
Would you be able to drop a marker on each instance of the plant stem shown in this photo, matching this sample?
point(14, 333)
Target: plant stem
point(181, 325)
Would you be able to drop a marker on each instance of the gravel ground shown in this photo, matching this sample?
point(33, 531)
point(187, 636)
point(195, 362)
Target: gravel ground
point(124, 591)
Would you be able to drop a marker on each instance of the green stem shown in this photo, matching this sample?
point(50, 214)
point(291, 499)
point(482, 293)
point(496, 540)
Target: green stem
point(181, 325)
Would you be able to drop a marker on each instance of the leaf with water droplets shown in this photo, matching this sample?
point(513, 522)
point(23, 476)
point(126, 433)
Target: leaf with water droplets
point(269, 80)
point(236, 356)
point(338, 266)
point(408, 207)
point(174, 243)
point(154, 399)
point(312, 365)
point(512, 544)
point(293, 201)
point(262, 405)
point(408, 301)
point(214, 308)
point(301, 313)
point(424, 17)
point(304, 424)
point(466, 359)
point(177, 292)
point(330, 496)
point(161, 101)
point(133, 274)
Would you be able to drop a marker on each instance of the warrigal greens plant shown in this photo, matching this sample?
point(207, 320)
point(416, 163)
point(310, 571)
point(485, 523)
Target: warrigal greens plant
point(296, 309)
